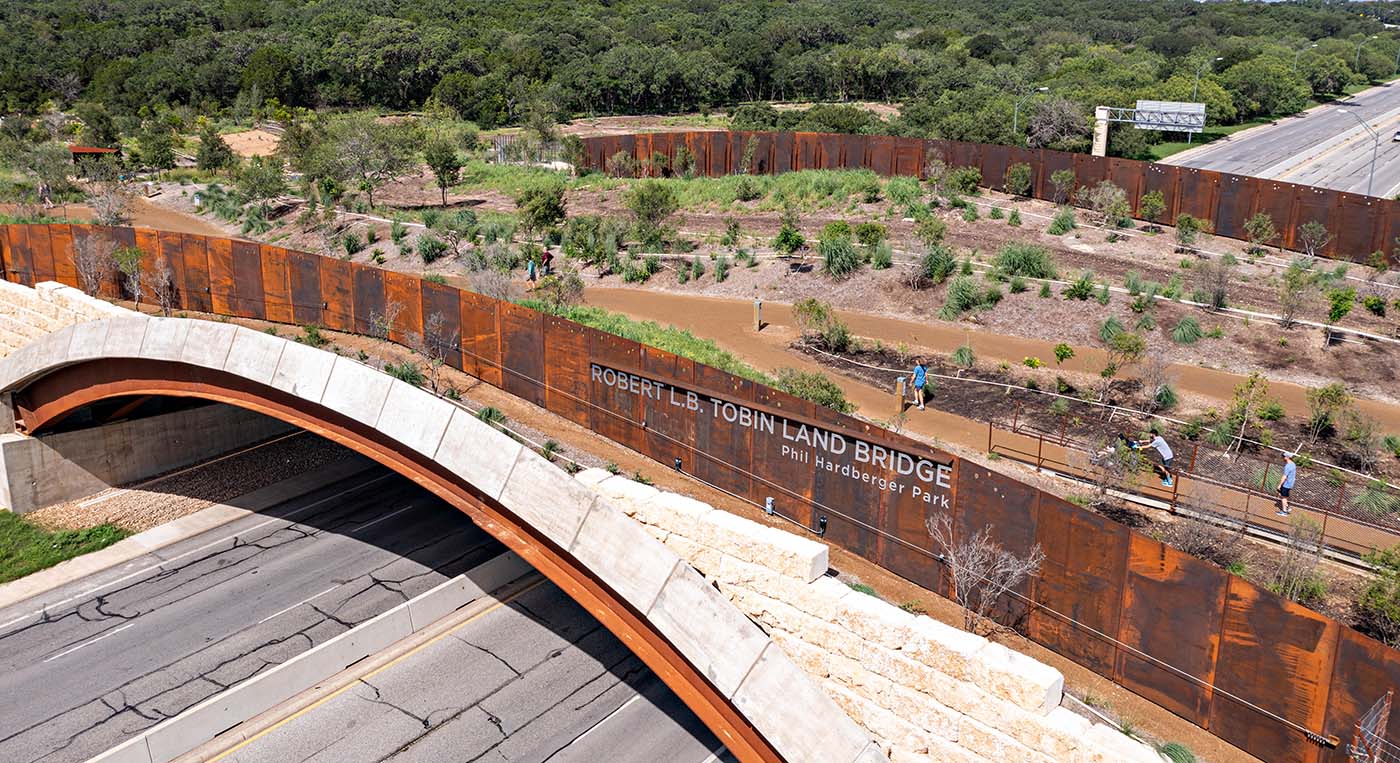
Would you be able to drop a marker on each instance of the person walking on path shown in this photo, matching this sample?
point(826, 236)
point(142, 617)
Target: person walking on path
point(919, 379)
point(546, 260)
point(530, 269)
point(1285, 483)
point(1165, 451)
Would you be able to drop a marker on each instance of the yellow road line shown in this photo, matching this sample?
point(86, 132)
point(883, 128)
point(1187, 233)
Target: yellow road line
point(377, 671)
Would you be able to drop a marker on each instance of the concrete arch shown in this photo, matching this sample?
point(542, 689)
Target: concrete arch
point(723, 666)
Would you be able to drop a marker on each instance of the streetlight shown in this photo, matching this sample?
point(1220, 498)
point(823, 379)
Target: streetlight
point(1016, 110)
point(1375, 146)
point(1300, 53)
point(1196, 86)
point(1357, 64)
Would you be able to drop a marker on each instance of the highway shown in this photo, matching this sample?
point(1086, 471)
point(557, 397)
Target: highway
point(535, 679)
point(1322, 147)
point(158, 636)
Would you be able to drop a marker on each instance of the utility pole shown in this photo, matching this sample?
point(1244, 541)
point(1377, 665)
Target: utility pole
point(1016, 110)
point(1297, 55)
point(1357, 64)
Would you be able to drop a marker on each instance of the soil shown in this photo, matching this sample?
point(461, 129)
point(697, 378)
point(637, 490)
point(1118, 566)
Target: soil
point(253, 142)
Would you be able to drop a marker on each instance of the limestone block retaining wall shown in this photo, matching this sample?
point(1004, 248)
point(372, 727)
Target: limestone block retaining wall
point(924, 690)
point(27, 314)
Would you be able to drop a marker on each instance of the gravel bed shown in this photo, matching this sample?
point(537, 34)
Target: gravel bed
point(155, 502)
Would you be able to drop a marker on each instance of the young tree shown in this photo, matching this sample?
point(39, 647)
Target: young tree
point(163, 285)
point(368, 152)
point(1378, 607)
point(260, 179)
point(128, 263)
point(445, 163)
point(1260, 229)
point(1151, 206)
point(651, 202)
point(541, 207)
point(109, 193)
point(1213, 276)
point(1340, 303)
point(157, 146)
point(1296, 577)
point(92, 259)
point(1109, 202)
point(1124, 349)
point(1295, 290)
point(1018, 179)
point(49, 164)
point(434, 346)
point(1063, 182)
point(457, 228)
point(560, 290)
point(1251, 396)
point(1188, 229)
point(1313, 237)
point(982, 570)
point(213, 152)
point(1326, 406)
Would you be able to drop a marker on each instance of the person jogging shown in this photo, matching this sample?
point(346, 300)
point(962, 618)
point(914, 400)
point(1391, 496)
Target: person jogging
point(1165, 451)
point(1285, 483)
point(919, 379)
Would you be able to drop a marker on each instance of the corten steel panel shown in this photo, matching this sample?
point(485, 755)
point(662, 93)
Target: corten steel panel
point(304, 275)
point(337, 293)
point(1197, 193)
point(481, 348)
point(1234, 204)
point(784, 470)
point(1278, 656)
point(994, 164)
point(615, 412)
point(1357, 223)
point(1050, 163)
point(663, 143)
point(442, 323)
point(785, 151)
point(1009, 508)
point(172, 248)
point(61, 244)
point(628, 145)
point(725, 455)
point(567, 369)
point(9, 234)
point(1086, 557)
point(370, 317)
point(855, 150)
point(1277, 201)
point(717, 158)
point(908, 156)
point(670, 415)
point(1127, 174)
point(403, 300)
point(1089, 171)
point(1389, 231)
point(41, 249)
point(194, 282)
point(962, 154)
point(22, 266)
point(222, 292)
point(148, 241)
point(1365, 670)
point(522, 353)
point(805, 150)
point(828, 151)
point(247, 299)
point(648, 168)
point(1167, 586)
point(1165, 178)
point(905, 517)
point(276, 284)
point(152, 243)
point(1017, 155)
point(1320, 205)
point(848, 485)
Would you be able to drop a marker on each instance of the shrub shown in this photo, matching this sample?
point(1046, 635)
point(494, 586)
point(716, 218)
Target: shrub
point(1374, 304)
point(431, 248)
point(1032, 362)
point(902, 190)
point(1392, 445)
point(1187, 331)
point(937, 264)
point(1063, 352)
point(836, 229)
point(747, 188)
point(1270, 410)
point(963, 357)
point(1103, 295)
point(1062, 223)
point(397, 232)
point(1133, 283)
point(406, 372)
point(1045, 292)
point(813, 386)
point(1026, 260)
point(789, 238)
point(1018, 179)
point(839, 257)
point(1109, 329)
point(964, 295)
point(995, 213)
point(721, 269)
point(1188, 229)
point(1081, 288)
point(1177, 753)
point(882, 258)
point(870, 234)
point(352, 244)
point(1063, 182)
point(963, 179)
point(1017, 285)
point(1378, 606)
point(930, 230)
point(697, 269)
point(969, 214)
point(1151, 206)
point(1165, 398)
point(1014, 218)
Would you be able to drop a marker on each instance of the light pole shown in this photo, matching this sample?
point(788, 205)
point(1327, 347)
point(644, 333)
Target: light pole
point(1297, 55)
point(1016, 110)
point(1357, 64)
point(1375, 146)
point(1196, 86)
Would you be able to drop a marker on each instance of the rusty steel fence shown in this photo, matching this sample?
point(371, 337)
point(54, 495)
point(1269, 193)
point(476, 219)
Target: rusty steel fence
point(1272, 677)
point(1359, 224)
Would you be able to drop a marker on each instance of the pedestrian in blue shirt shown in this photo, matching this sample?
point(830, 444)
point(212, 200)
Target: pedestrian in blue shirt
point(530, 269)
point(919, 379)
point(1285, 483)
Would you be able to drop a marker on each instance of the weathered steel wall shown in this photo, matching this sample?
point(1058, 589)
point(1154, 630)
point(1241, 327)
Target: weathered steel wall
point(1359, 224)
point(1254, 669)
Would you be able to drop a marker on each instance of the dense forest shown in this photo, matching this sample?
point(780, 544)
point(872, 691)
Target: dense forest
point(959, 70)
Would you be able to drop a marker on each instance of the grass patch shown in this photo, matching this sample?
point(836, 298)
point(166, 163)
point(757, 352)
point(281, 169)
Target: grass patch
point(27, 548)
point(1163, 150)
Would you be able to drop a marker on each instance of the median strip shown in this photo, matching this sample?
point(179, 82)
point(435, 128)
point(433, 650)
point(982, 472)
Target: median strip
point(222, 717)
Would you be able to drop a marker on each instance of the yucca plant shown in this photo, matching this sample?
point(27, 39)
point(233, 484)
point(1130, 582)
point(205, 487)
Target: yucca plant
point(1187, 331)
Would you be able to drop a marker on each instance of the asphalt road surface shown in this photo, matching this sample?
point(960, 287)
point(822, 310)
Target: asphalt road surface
point(173, 628)
point(1322, 147)
point(534, 679)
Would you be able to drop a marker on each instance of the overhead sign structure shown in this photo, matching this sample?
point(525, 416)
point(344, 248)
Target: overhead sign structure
point(1172, 116)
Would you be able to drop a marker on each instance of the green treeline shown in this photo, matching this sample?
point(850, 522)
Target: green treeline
point(958, 69)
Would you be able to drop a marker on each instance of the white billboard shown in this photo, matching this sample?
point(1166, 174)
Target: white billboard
point(1172, 116)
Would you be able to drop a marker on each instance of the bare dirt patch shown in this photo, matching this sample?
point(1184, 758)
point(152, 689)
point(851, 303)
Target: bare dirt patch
point(256, 142)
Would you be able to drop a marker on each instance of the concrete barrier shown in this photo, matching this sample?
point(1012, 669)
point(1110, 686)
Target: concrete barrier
point(201, 723)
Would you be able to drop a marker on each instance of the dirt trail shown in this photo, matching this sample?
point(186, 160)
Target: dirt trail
point(144, 214)
point(729, 322)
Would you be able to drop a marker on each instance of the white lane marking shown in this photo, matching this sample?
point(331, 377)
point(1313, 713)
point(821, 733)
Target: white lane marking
point(71, 650)
point(205, 547)
point(381, 519)
point(298, 604)
point(605, 719)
